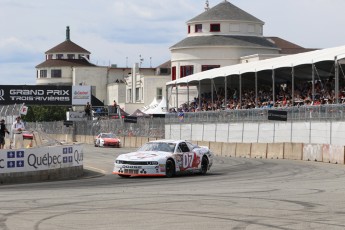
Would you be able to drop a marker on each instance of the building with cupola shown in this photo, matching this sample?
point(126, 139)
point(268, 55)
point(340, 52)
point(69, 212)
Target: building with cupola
point(220, 36)
point(223, 35)
point(69, 64)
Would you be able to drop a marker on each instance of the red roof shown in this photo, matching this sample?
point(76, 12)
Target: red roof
point(67, 46)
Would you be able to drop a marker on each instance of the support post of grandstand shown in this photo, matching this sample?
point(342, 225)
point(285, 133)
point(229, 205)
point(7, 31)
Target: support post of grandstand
point(199, 93)
point(225, 91)
point(273, 86)
point(293, 84)
point(167, 97)
point(336, 75)
point(256, 89)
point(187, 94)
point(177, 105)
point(313, 81)
point(240, 96)
point(212, 93)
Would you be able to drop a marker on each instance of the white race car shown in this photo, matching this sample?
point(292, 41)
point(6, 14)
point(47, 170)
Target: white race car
point(164, 158)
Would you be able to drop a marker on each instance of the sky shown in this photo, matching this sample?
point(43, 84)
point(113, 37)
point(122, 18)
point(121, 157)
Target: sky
point(120, 31)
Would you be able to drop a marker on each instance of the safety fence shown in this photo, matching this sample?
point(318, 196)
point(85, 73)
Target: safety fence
point(322, 112)
point(146, 127)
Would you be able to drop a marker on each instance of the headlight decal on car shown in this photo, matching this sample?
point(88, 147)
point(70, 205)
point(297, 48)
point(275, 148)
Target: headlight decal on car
point(162, 167)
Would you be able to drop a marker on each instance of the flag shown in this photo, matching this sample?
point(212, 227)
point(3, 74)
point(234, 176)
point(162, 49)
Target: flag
point(24, 110)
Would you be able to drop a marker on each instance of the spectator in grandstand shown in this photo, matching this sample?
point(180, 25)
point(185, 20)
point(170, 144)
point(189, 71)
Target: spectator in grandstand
point(3, 131)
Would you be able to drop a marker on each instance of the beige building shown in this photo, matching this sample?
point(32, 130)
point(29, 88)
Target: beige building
point(69, 64)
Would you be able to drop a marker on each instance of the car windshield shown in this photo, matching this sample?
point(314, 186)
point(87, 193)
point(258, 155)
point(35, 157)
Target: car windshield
point(108, 135)
point(158, 146)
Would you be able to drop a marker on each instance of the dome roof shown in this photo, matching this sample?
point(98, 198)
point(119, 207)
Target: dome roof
point(67, 46)
point(225, 11)
point(224, 40)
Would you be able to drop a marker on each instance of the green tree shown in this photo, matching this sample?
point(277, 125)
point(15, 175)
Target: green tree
point(46, 113)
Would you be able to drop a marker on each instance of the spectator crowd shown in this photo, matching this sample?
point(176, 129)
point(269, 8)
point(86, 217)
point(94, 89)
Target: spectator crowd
point(303, 96)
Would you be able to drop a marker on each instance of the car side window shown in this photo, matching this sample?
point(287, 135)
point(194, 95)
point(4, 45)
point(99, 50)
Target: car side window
point(190, 146)
point(183, 146)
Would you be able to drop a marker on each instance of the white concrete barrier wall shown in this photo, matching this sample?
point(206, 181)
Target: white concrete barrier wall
point(228, 149)
point(313, 152)
point(197, 132)
point(258, 150)
point(175, 131)
point(250, 132)
point(293, 151)
point(320, 132)
point(209, 132)
point(338, 133)
point(243, 150)
point(275, 151)
point(186, 131)
point(265, 133)
point(216, 148)
point(282, 132)
point(235, 132)
point(222, 133)
point(333, 154)
point(300, 132)
point(167, 132)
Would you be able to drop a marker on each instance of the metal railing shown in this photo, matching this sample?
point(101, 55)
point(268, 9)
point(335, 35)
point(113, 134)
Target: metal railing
point(305, 113)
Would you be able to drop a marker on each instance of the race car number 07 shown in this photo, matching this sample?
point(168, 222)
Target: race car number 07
point(188, 160)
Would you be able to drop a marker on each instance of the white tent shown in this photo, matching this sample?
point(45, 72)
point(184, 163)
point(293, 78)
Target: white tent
point(161, 108)
point(330, 54)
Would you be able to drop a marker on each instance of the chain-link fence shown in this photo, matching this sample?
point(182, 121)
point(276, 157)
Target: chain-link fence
point(324, 112)
point(145, 127)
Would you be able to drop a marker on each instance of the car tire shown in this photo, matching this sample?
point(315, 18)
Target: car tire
point(204, 166)
point(170, 168)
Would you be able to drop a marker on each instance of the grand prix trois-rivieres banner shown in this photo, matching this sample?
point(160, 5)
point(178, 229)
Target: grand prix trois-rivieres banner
point(44, 95)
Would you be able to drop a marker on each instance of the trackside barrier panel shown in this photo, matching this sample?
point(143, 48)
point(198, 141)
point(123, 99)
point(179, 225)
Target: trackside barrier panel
point(275, 151)
point(142, 140)
point(204, 143)
point(250, 132)
point(186, 132)
point(133, 142)
point(209, 132)
point(153, 139)
point(258, 150)
point(35, 164)
point(222, 133)
point(127, 143)
point(122, 139)
point(197, 132)
point(243, 150)
point(228, 149)
point(293, 151)
point(216, 148)
point(333, 154)
point(312, 152)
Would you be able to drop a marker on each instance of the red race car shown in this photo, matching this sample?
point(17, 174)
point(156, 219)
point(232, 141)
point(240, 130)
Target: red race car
point(107, 139)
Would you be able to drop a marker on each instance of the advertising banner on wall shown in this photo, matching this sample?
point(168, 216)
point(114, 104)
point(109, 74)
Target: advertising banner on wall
point(81, 95)
point(44, 95)
point(36, 159)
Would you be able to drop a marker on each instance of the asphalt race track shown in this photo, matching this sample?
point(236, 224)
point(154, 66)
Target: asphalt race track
point(236, 194)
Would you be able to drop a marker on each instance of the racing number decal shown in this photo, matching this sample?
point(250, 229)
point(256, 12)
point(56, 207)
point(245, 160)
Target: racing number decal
point(187, 160)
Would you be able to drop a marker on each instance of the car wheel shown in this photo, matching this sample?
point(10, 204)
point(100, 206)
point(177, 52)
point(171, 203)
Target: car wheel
point(204, 165)
point(124, 176)
point(170, 168)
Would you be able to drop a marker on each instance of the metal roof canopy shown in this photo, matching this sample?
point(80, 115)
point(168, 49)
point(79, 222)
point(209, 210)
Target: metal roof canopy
point(322, 59)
